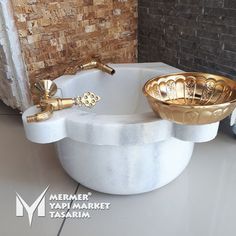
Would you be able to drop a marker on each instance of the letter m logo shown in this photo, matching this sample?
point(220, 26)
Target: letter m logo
point(39, 203)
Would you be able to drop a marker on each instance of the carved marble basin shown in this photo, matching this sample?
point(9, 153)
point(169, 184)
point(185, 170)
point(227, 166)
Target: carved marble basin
point(120, 146)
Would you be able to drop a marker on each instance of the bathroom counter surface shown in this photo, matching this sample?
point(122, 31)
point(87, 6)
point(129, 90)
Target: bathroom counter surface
point(200, 202)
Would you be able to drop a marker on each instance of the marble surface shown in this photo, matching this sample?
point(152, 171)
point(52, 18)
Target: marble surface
point(233, 121)
point(120, 146)
point(125, 169)
point(123, 117)
point(14, 83)
point(200, 202)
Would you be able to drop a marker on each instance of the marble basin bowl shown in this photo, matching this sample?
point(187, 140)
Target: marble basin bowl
point(120, 146)
point(191, 97)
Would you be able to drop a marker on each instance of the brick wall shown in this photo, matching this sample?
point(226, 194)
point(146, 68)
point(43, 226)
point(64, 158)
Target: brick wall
point(194, 35)
point(54, 34)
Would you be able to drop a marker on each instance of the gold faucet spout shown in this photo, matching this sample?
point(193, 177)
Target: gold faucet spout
point(41, 116)
point(93, 64)
point(98, 65)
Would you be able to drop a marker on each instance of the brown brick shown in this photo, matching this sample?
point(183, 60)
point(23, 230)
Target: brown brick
point(54, 33)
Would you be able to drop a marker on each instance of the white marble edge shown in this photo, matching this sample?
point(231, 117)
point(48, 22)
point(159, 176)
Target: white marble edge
point(233, 118)
point(92, 128)
point(16, 70)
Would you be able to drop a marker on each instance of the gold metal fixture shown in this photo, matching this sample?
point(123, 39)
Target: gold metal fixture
point(191, 97)
point(46, 89)
point(93, 64)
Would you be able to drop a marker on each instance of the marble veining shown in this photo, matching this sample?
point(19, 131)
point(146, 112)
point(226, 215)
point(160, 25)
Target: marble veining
point(120, 146)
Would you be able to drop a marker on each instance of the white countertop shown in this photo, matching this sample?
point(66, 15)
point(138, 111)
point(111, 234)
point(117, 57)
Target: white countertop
point(202, 201)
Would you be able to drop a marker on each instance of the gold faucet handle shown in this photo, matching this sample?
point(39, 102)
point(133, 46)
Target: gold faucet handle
point(88, 99)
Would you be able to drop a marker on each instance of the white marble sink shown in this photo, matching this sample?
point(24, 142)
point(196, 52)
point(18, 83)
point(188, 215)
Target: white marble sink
point(120, 146)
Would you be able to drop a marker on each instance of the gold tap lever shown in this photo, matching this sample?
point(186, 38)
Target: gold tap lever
point(46, 89)
point(93, 64)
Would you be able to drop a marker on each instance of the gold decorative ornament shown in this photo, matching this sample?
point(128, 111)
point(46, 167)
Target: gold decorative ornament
point(46, 89)
point(191, 98)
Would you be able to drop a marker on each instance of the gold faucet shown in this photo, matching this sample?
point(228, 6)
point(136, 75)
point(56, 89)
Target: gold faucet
point(93, 64)
point(46, 89)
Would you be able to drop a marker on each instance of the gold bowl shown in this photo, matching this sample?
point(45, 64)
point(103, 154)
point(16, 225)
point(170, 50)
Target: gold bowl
point(191, 98)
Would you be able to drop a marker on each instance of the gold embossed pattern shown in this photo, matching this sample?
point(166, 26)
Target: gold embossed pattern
point(191, 97)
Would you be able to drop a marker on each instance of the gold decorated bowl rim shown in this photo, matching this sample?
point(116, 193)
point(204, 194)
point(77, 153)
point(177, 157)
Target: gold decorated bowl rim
point(192, 105)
